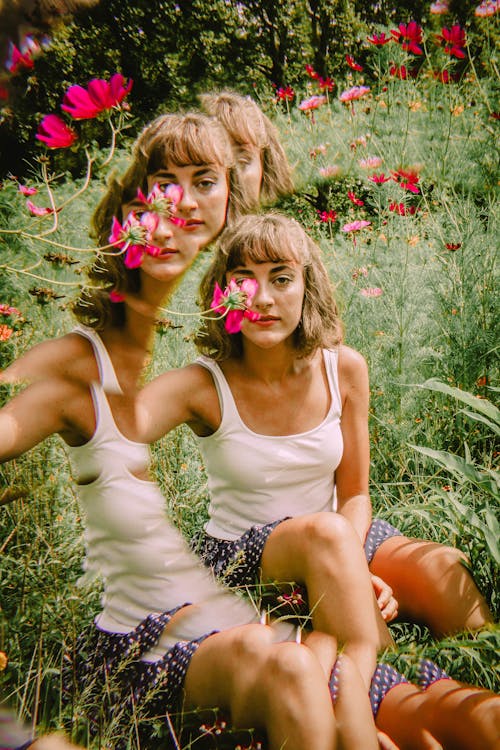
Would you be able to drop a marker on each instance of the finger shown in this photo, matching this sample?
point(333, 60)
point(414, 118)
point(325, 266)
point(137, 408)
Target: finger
point(385, 742)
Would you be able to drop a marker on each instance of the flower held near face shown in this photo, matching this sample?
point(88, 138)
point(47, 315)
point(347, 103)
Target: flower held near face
point(134, 237)
point(234, 302)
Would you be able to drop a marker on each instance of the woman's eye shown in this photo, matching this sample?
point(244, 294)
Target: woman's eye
point(282, 280)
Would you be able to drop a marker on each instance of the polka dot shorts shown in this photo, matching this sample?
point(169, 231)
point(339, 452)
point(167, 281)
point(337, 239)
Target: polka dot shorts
point(237, 562)
point(104, 674)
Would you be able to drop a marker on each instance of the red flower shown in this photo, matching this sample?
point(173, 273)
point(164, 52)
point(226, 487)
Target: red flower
point(444, 76)
point(407, 179)
point(454, 40)
point(5, 332)
point(100, 95)
point(327, 216)
point(285, 94)
point(352, 63)
point(325, 84)
point(379, 39)
point(453, 246)
point(17, 59)
point(55, 133)
point(401, 209)
point(410, 36)
point(399, 71)
point(353, 199)
point(379, 179)
point(311, 72)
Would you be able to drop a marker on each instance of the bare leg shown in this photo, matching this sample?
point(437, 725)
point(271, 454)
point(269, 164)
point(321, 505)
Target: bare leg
point(280, 687)
point(448, 715)
point(431, 585)
point(323, 552)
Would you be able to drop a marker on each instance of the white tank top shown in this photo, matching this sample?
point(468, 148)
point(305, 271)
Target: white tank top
point(255, 479)
point(144, 561)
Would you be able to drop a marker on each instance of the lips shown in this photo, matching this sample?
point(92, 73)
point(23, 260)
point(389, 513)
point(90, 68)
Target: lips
point(166, 252)
point(192, 224)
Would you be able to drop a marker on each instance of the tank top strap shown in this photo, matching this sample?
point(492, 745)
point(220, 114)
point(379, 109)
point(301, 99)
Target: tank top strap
point(331, 359)
point(226, 400)
point(107, 374)
point(105, 422)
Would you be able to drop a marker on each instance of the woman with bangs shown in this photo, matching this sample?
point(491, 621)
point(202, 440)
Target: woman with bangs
point(167, 636)
point(280, 408)
point(260, 157)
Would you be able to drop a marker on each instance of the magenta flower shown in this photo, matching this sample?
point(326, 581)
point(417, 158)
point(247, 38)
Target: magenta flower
point(327, 216)
point(115, 296)
point(311, 72)
point(352, 63)
point(355, 226)
point(379, 179)
point(325, 84)
point(487, 8)
point(379, 39)
point(371, 162)
point(8, 310)
point(134, 237)
point(25, 190)
point(285, 94)
point(372, 291)
point(163, 201)
point(353, 199)
point(410, 36)
point(100, 95)
point(17, 59)
point(234, 302)
point(454, 40)
point(38, 210)
point(55, 133)
point(356, 92)
point(312, 103)
point(407, 179)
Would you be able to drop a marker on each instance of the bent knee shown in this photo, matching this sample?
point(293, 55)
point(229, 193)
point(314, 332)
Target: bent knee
point(250, 643)
point(290, 663)
point(329, 530)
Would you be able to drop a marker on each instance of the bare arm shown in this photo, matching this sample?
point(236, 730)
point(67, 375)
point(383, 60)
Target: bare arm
point(67, 356)
point(352, 475)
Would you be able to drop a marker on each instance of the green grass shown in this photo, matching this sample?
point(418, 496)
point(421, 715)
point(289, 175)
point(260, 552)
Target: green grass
point(437, 317)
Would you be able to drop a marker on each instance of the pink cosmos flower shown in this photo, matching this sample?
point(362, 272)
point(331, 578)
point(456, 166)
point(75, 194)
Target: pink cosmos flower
point(285, 94)
point(234, 303)
point(327, 216)
point(134, 237)
point(356, 92)
point(38, 210)
point(379, 39)
point(358, 272)
point(331, 171)
point(163, 201)
point(312, 103)
point(8, 310)
point(355, 226)
point(5, 332)
point(115, 296)
point(25, 190)
point(410, 36)
point(454, 40)
point(487, 8)
point(373, 291)
point(379, 179)
point(352, 63)
point(100, 95)
point(353, 199)
point(407, 179)
point(439, 7)
point(371, 162)
point(55, 133)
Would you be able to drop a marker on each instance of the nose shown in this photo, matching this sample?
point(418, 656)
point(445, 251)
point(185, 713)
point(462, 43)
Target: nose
point(263, 296)
point(188, 201)
point(163, 232)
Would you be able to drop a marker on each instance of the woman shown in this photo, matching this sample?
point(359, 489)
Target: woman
point(268, 417)
point(154, 645)
point(260, 157)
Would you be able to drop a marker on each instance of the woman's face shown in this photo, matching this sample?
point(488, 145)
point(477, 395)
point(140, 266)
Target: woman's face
point(278, 299)
point(205, 195)
point(249, 163)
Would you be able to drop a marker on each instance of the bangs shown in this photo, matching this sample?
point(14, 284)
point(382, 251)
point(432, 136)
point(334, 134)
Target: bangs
point(273, 242)
point(192, 143)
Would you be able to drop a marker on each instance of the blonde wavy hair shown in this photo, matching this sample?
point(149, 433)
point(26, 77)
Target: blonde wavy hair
point(181, 139)
point(248, 125)
point(270, 238)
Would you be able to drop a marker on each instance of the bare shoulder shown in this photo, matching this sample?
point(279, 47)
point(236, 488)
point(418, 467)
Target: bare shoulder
point(69, 356)
point(353, 372)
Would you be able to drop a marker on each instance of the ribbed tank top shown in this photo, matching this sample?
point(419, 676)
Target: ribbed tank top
point(144, 561)
point(255, 479)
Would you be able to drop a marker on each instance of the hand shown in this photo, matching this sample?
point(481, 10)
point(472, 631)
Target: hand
point(385, 742)
point(388, 605)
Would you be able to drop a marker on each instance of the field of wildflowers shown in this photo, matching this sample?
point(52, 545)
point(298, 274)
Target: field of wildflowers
point(397, 179)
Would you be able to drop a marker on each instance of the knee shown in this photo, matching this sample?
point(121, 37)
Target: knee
point(250, 644)
point(329, 532)
point(289, 664)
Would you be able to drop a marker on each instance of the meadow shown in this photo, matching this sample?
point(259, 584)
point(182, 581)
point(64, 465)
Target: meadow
point(398, 184)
